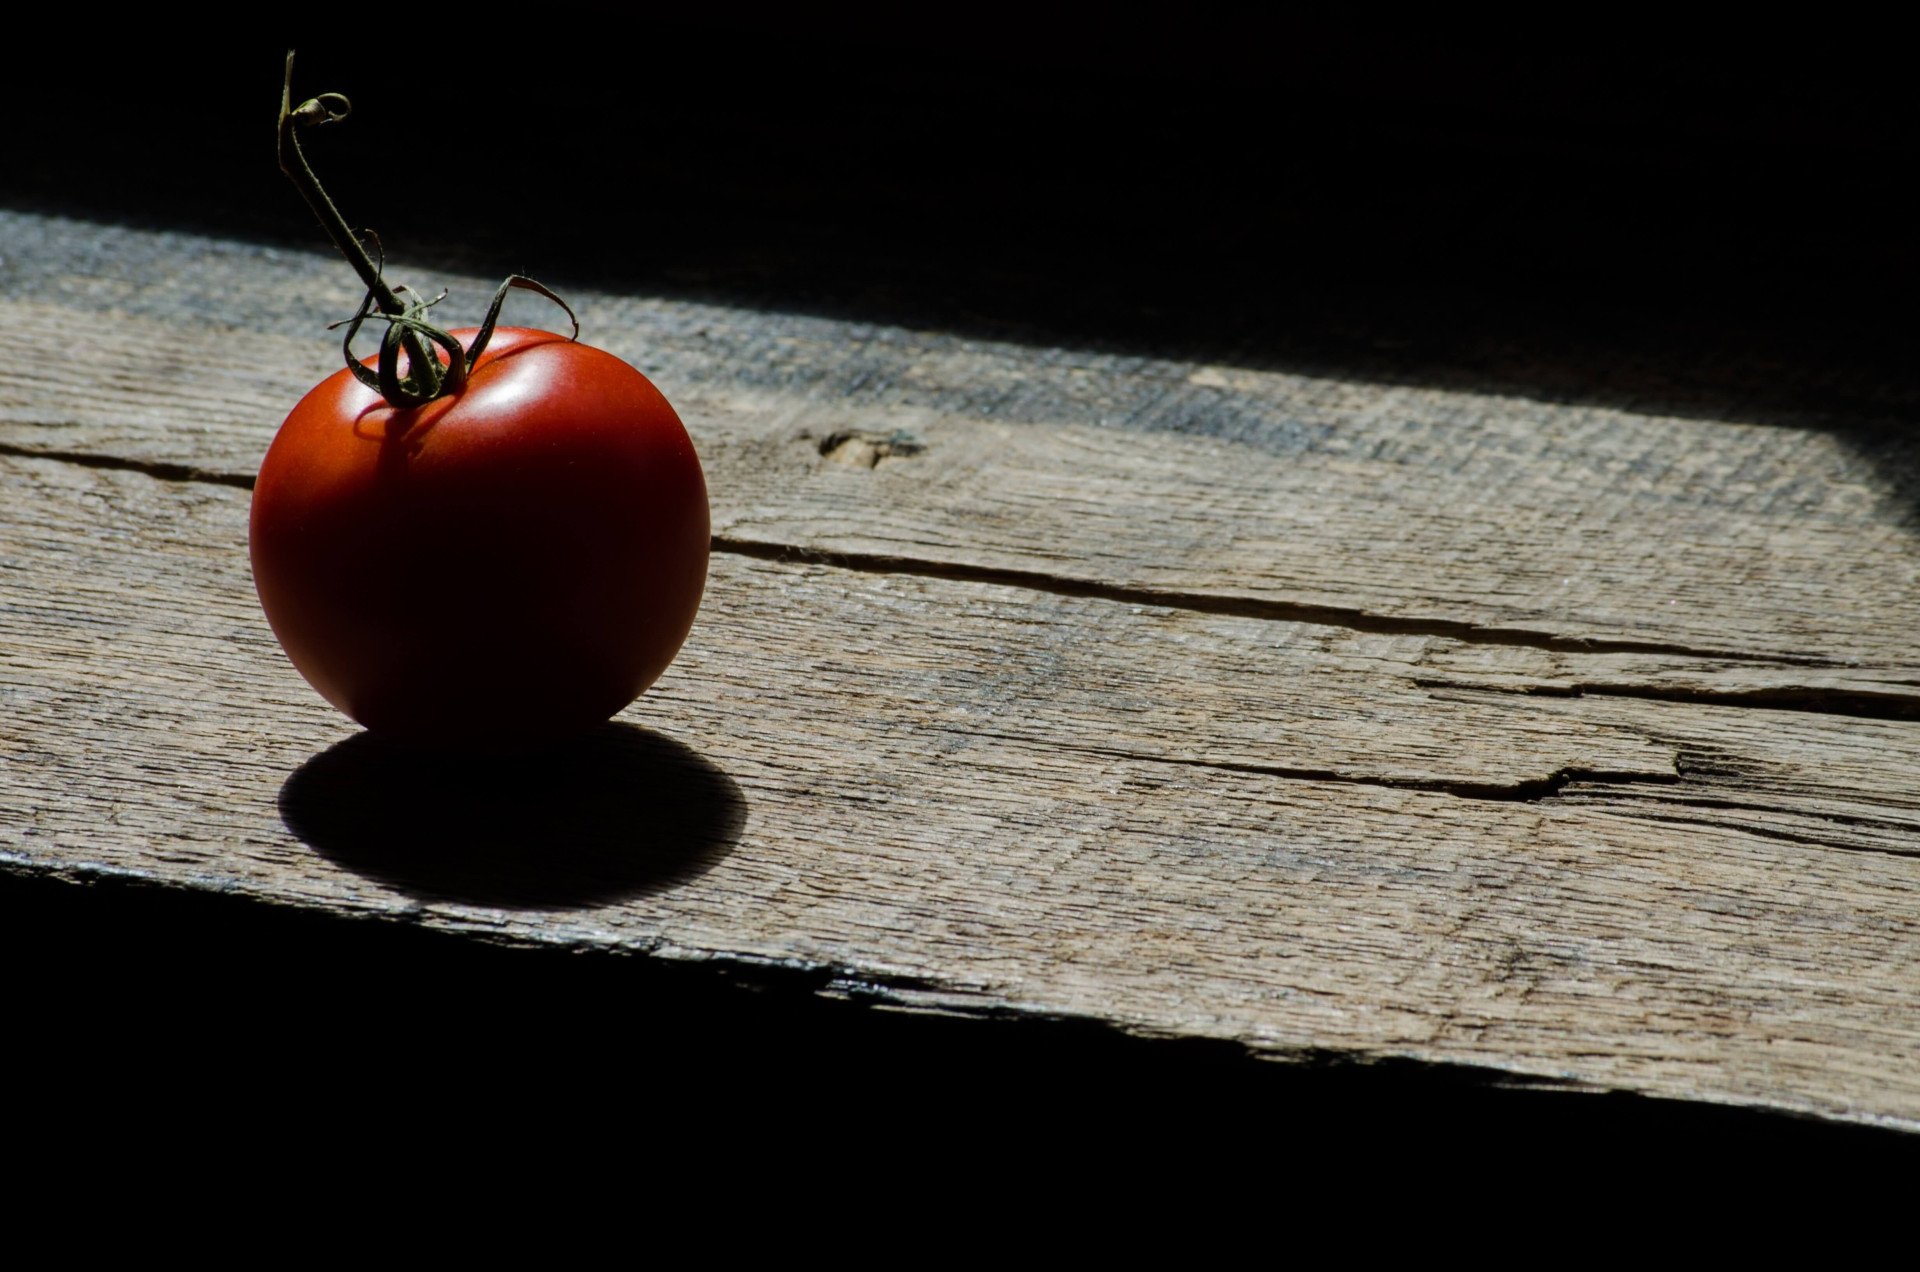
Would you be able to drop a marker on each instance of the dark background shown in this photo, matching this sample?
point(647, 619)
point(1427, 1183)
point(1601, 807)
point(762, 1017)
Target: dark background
point(1707, 220)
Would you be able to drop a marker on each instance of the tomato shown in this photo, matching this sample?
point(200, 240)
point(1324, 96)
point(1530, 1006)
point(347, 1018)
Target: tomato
point(492, 570)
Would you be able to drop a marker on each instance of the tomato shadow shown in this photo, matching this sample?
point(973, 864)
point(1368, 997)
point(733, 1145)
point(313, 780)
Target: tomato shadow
point(620, 813)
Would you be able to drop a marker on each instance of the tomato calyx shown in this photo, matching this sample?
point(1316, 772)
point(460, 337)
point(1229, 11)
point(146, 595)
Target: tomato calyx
point(408, 330)
point(430, 380)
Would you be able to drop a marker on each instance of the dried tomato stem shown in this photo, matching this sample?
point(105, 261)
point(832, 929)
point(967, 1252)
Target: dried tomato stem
point(324, 109)
point(293, 162)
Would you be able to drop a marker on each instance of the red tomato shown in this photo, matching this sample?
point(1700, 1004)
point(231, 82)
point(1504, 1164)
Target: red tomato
point(495, 569)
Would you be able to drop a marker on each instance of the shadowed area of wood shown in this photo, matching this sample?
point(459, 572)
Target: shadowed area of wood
point(619, 814)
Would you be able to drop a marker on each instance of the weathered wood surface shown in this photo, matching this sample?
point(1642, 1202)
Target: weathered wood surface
point(1729, 558)
point(1363, 724)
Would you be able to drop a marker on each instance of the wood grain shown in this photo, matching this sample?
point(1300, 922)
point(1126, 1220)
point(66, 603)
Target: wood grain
point(928, 812)
point(1200, 700)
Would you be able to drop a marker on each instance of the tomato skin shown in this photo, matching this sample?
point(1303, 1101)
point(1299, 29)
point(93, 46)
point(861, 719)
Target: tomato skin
point(491, 571)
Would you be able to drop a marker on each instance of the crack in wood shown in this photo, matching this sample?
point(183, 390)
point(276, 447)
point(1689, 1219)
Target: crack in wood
point(1765, 832)
point(1889, 824)
point(158, 470)
point(1244, 607)
point(1859, 703)
point(1527, 791)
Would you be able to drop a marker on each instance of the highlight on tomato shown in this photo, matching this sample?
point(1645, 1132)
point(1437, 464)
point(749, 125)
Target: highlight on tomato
point(484, 539)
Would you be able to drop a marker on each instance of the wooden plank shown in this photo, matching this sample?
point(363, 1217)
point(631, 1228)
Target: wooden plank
point(900, 781)
point(1737, 562)
point(1370, 834)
